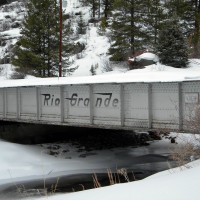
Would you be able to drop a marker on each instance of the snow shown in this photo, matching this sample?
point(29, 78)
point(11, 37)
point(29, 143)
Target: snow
point(94, 53)
point(148, 56)
point(33, 163)
point(12, 33)
point(151, 73)
point(180, 185)
point(173, 184)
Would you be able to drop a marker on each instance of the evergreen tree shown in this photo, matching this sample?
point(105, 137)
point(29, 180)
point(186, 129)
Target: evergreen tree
point(172, 48)
point(81, 25)
point(126, 29)
point(188, 14)
point(94, 5)
point(3, 2)
point(107, 7)
point(185, 13)
point(37, 49)
point(196, 33)
point(154, 18)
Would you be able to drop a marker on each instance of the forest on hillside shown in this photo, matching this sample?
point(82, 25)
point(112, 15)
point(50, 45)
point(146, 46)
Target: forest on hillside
point(169, 28)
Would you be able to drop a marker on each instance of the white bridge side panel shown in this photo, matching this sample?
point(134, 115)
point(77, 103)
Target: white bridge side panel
point(1, 103)
point(106, 104)
point(50, 103)
point(77, 104)
point(153, 105)
point(165, 105)
point(11, 108)
point(136, 105)
point(28, 103)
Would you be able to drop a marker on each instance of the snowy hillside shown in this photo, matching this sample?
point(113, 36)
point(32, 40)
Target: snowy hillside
point(11, 16)
point(94, 54)
point(96, 46)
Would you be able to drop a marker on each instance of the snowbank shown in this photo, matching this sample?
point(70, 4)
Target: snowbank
point(169, 185)
point(152, 73)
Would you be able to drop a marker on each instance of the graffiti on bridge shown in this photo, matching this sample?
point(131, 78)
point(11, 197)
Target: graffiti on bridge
point(100, 100)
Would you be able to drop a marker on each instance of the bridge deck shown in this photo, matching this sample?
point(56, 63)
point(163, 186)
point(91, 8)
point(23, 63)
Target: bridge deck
point(157, 105)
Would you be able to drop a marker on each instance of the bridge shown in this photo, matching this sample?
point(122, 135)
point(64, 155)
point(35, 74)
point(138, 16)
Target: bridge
point(130, 105)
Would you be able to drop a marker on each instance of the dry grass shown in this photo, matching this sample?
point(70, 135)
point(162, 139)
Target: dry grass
point(96, 182)
point(114, 178)
point(184, 154)
point(188, 150)
point(192, 120)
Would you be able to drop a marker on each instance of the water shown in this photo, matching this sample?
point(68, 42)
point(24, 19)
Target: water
point(112, 150)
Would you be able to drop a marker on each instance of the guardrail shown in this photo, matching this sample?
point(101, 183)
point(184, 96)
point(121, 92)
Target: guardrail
point(118, 106)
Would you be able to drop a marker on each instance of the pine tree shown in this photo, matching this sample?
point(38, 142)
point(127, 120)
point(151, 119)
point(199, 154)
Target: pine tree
point(81, 25)
point(154, 18)
point(185, 13)
point(37, 50)
point(196, 32)
point(126, 29)
point(172, 48)
point(188, 14)
point(107, 7)
point(3, 2)
point(94, 5)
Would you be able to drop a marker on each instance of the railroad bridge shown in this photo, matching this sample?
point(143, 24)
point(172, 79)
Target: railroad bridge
point(131, 105)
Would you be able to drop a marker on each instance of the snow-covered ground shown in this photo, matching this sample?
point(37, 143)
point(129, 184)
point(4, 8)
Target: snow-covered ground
point(168, 185)
point(26, 162)
point(151, 73)
point(94, 53)
point(22, 162)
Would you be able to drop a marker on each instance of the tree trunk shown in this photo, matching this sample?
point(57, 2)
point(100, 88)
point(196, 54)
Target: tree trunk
point(132, 26)
point(93, 8)
point(99, 12)
point(196, 31)
point(106, 9)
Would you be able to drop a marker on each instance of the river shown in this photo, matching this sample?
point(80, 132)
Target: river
point(111, 151)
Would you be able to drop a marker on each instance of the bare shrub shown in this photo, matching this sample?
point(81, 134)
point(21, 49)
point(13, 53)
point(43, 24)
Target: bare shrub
point(188, 150)
point(106, 67)
point(1, 69)
point(192, 120)
point(93, 69)
point(6, 24)
point(79, 56)
point(124, 173)
point(184, 154)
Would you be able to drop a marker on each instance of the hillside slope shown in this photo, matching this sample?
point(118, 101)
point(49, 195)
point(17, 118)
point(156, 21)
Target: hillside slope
point(96, 46)
point(93, 59)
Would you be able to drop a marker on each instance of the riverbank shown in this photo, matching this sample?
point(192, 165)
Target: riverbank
point(71, 165)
